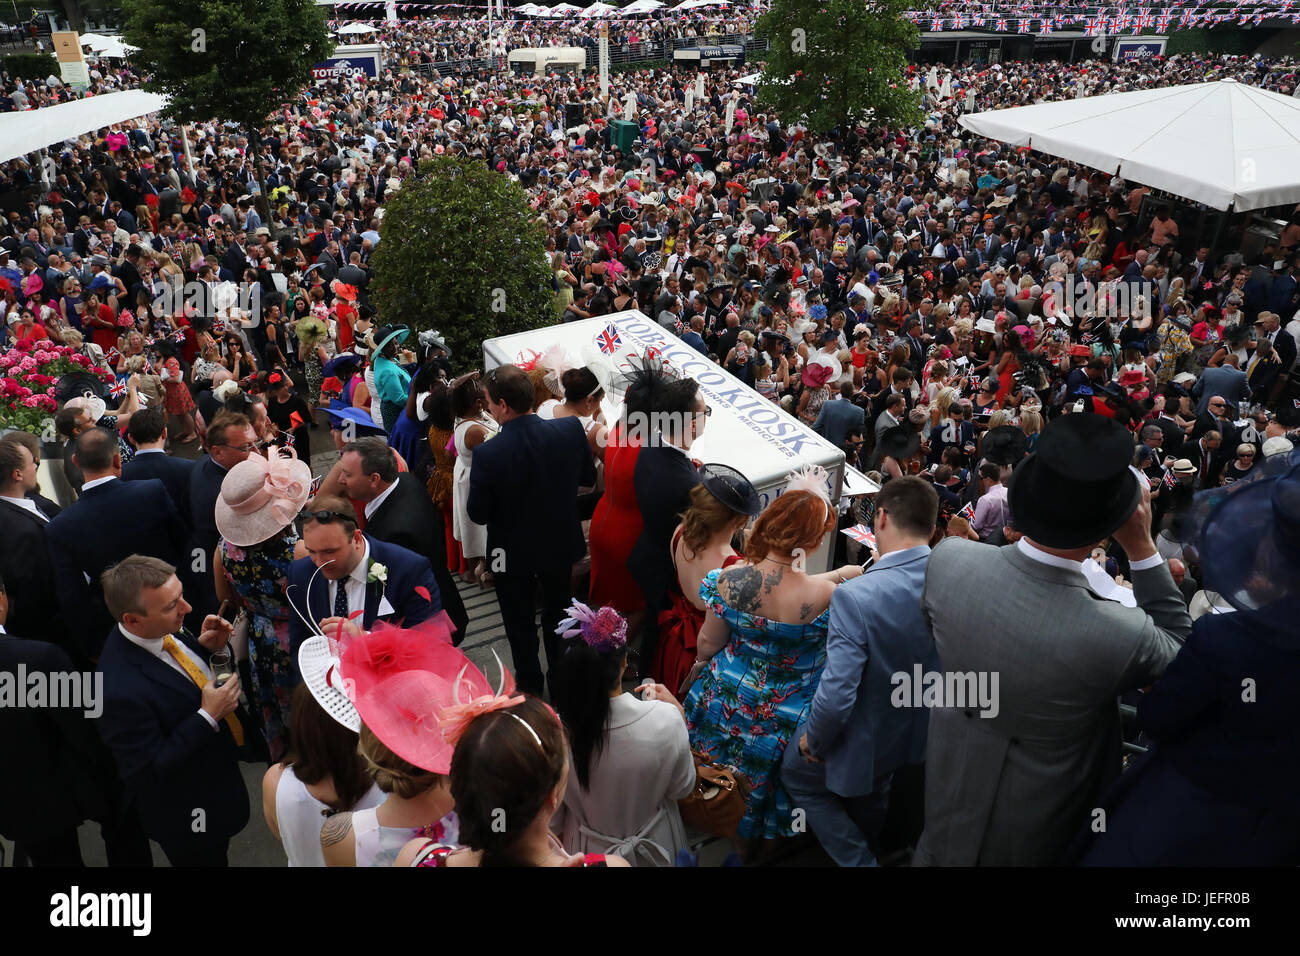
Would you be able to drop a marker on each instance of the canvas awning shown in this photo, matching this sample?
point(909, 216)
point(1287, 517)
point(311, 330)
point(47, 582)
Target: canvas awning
point(1221, 143)
point(33, 130)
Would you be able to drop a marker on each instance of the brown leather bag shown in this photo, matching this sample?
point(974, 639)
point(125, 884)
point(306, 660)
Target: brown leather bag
point(717, 804)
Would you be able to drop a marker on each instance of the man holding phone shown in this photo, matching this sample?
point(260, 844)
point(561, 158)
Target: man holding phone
point(176, 734)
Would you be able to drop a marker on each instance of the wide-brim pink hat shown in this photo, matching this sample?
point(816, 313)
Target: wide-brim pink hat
point(261, 496)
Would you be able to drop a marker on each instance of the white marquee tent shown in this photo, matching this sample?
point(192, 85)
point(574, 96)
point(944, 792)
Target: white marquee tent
point(356, 28)
point(33, 130)
point(1221, 143)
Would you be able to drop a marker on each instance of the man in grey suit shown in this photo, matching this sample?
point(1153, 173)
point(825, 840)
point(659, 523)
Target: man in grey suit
point(839, 765)
point(1013, 785)
point(1227, 382)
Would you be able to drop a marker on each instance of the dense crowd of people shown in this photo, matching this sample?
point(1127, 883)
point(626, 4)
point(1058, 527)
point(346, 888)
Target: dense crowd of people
point(1043, 362)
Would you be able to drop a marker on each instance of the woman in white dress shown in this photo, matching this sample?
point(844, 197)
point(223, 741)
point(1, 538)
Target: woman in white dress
point(322, 775)
point(631, 755)
point(472, 428)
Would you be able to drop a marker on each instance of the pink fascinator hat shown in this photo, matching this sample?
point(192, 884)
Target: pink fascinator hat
point(261, 496)
point(602, 630)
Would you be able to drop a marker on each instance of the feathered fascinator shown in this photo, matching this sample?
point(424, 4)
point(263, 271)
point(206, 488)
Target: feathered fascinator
point(556, 361)
point(602, 630)
point(644, 380)
point(812, 479)
point(455, 719)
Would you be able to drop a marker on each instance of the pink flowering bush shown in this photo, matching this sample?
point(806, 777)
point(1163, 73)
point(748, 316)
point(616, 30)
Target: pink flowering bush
point(28, 374)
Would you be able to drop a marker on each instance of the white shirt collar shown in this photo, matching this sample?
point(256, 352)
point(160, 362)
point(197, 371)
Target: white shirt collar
point(363, 566)
point(373, 505)
point(1042, 557)
point(153, 646)
point(149, 451)
point(26, 503)
point(98, 481)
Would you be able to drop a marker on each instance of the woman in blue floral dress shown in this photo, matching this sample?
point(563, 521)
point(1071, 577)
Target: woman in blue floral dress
point(259, 575)
point(762, 648)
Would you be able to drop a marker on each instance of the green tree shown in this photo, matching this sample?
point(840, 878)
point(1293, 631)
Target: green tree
point(836, 62)
point(460, 251)
point(226, 59)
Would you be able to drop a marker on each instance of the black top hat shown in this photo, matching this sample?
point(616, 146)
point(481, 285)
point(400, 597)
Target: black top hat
point(79, 385)
point(900, 442)
point(731, 488)
point(1078, 487)
point(1004, 445)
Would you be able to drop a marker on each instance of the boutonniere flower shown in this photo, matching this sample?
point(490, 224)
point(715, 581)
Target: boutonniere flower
point(377, 572)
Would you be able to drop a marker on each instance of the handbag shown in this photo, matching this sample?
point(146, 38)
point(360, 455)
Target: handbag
point(717, 804)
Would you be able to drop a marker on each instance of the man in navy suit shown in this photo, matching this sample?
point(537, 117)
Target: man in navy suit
point(357, 573)
point(175, 735)
point(398, 510)
point(25, 557)
point(840, 764)
point(837, 420)
point(111, 519)
point(148, 430)
point(664, 477)
point(231, 438)
point(524, 487)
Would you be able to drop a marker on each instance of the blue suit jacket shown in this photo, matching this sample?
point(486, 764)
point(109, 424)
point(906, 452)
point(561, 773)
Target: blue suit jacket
point(406, 571)
point(171, 760)
point(876, 630)
point(524, 487)
point(837, 419)
point(106, 524)
point(173, 472)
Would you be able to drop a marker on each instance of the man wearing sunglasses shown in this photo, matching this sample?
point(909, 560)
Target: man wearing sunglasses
point(231, 439)
point(357, 573)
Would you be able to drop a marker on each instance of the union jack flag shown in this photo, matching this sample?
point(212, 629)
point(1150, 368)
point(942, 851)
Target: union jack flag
point(1170, 479)
point(967, 512)
point(113, 355)
point(1085, 339)
point(179, 337)
point(937, 24)
point(117, 389)
point(1001, 26)
point(1048, 27)
point(1143, 21)
point(977, 21)
point(609, 340)
point(862, 535)
point(315, 485)
point(1024, 26)
point(286, 438)
point(1166, 17)
point(149, 341)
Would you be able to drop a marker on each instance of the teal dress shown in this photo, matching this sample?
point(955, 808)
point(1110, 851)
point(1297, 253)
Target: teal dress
point(392, 382)
point(747, 704)
point(259, 576)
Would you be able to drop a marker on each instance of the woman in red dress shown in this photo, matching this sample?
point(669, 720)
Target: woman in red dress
point(721, 505)
point(615, 526)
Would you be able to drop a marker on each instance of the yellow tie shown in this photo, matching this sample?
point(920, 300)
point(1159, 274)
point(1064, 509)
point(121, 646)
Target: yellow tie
point(201, 679)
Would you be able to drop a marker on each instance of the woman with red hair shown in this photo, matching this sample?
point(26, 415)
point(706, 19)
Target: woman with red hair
point(762, 648)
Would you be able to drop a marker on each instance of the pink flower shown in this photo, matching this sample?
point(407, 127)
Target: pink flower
point(32, 401)
point(27, 364)
point(42, 357)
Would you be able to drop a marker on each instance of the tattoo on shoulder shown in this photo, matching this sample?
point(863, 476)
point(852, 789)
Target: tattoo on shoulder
point(743, 585)
point(772, 580)
point(805, 610)
point(336, 829)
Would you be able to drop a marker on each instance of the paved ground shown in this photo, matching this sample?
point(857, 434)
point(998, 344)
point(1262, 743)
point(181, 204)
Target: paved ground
point(255, 846)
